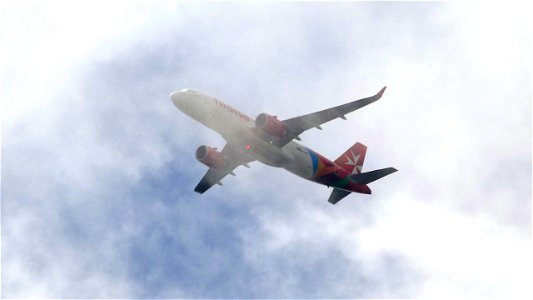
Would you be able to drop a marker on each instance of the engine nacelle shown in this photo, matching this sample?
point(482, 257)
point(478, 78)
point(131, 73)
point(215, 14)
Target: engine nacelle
point(210, 157)
point(270, 125)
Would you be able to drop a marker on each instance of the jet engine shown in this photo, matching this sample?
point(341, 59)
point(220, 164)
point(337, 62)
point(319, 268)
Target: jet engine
point(270, 124)
point(210, 157)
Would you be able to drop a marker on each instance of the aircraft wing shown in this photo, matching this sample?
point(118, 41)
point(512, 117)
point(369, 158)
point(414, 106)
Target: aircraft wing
point(232, 159)
point(296, 126)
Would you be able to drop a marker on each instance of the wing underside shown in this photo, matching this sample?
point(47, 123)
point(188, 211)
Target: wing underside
point(295, 126)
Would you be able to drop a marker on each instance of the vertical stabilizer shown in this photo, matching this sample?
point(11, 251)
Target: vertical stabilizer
point(352, 160)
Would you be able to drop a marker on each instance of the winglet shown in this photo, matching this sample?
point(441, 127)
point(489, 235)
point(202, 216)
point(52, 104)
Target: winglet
point(380, 93)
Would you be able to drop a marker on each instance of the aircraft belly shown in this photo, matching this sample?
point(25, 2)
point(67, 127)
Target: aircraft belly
point(302, 164)
point(226, 125)
point(293, 157)
point(243, 137)
point(272, 155)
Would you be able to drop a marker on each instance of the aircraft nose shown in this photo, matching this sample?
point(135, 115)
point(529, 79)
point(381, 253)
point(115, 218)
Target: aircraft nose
point(185, 100)
point(181, 98)
point(175, 97)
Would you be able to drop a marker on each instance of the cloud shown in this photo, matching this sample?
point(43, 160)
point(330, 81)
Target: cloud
point(98, 165)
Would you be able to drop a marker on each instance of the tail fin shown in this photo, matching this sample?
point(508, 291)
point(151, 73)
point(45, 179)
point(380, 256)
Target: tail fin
point(352, 160)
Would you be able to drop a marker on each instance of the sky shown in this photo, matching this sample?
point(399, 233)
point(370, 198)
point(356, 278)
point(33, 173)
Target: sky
point(98, 166)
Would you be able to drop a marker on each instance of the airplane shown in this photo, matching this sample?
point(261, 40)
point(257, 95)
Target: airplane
point(271, 141)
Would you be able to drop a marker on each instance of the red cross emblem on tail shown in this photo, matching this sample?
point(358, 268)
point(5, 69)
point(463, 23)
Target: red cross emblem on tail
point(352, 160)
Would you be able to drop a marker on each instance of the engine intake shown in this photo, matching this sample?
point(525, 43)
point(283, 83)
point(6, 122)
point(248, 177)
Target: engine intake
point(210, 157)
point(270, 125)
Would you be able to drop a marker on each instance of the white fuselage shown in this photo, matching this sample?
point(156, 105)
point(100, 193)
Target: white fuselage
point(240, 131)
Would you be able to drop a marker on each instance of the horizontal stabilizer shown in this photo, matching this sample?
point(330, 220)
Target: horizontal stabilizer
point(368, 177)
point(337, 195)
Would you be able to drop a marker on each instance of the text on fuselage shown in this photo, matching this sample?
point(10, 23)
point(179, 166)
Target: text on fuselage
point(232, 110)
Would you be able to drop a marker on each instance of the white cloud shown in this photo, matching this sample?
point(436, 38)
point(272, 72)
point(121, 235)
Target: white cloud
point(461, 255)
point(47, 42)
